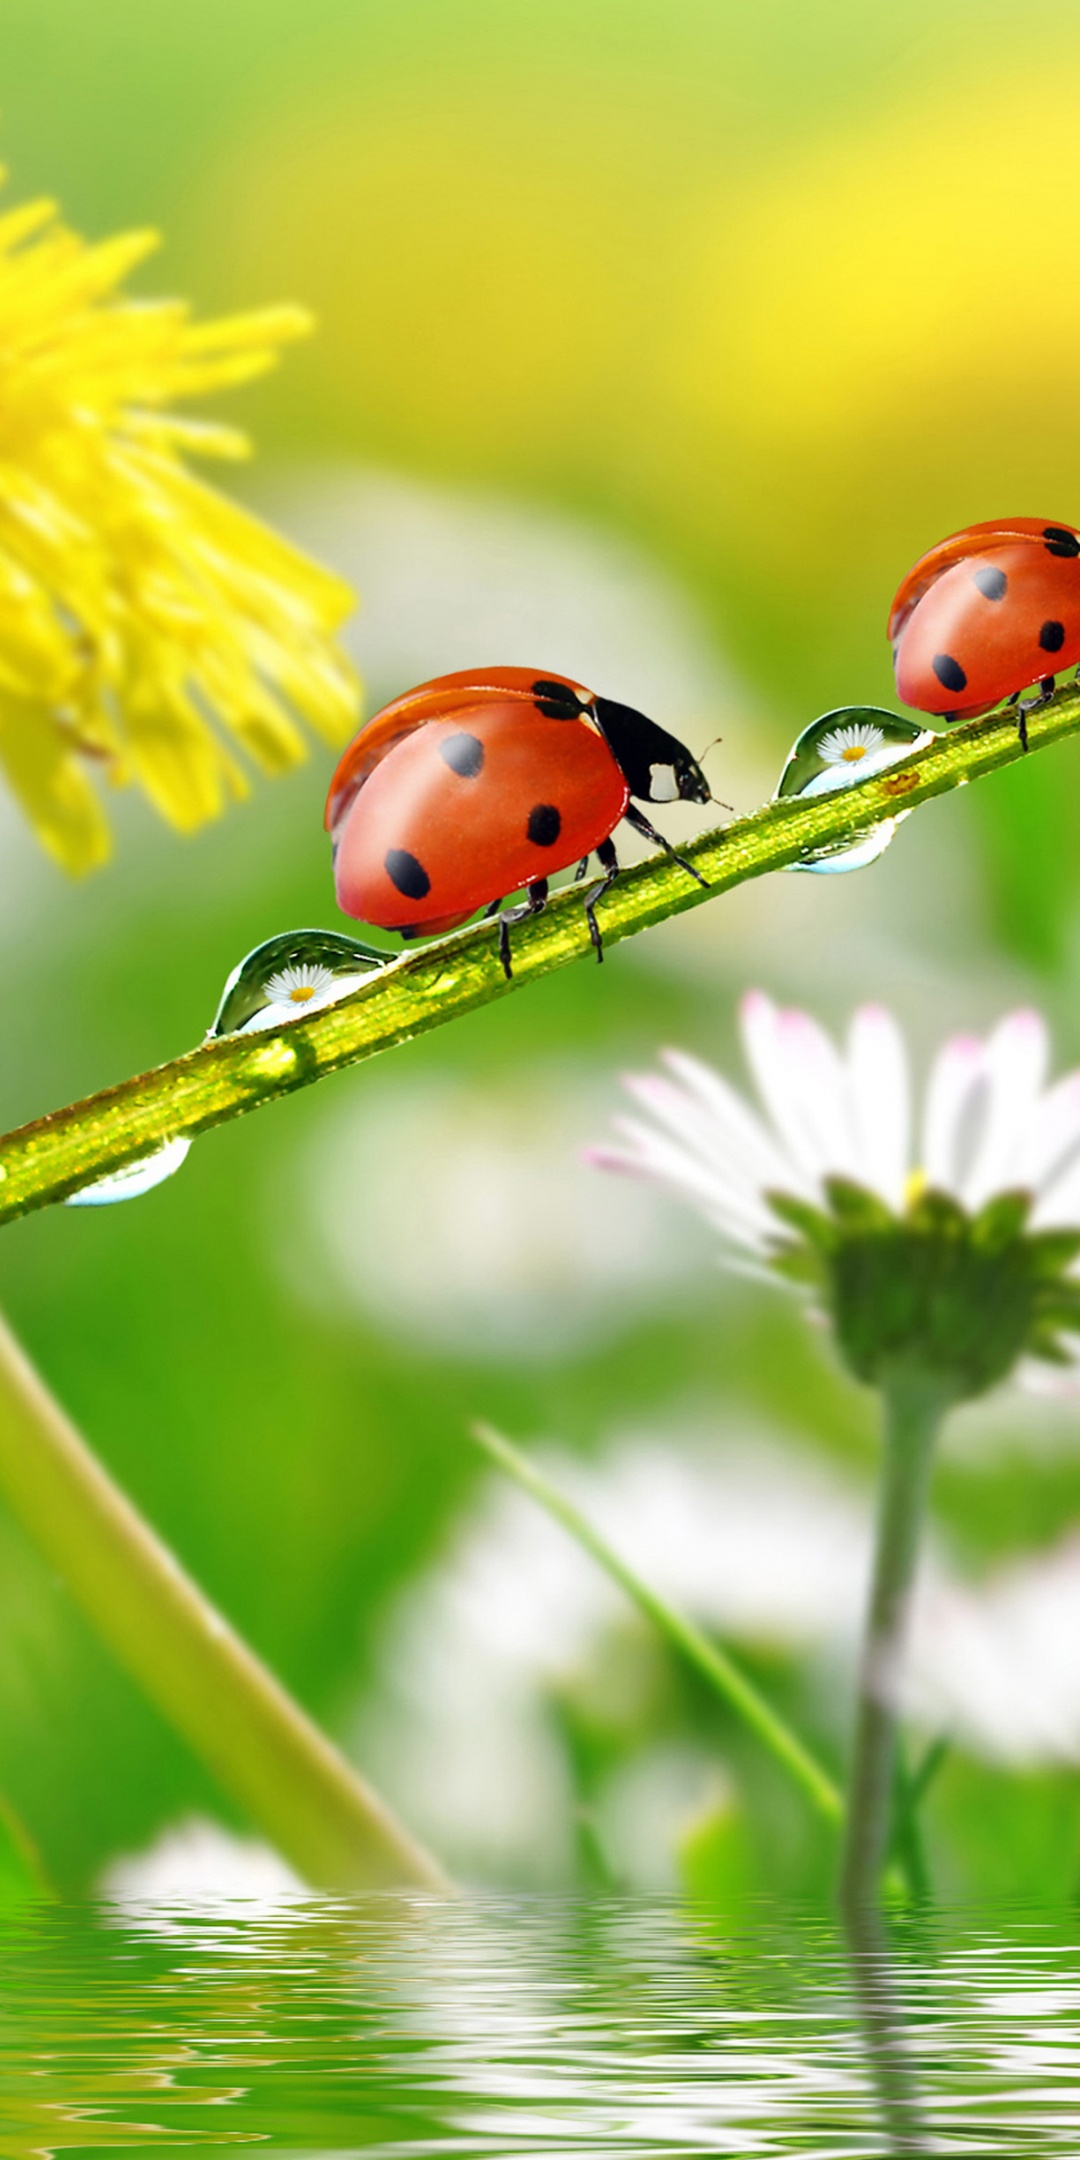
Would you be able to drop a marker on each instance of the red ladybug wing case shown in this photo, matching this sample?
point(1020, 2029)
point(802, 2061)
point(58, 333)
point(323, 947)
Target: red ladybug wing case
point(470, 809)
point(444, 695)
point(988, 627)
point(973, 540)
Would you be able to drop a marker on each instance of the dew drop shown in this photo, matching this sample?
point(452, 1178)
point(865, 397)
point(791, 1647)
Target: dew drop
point(293, 975)
point(834, 752)
point(134, 1179)
point(280, 980)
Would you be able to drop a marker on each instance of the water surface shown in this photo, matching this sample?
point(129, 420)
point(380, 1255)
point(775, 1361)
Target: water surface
point(527, 2026)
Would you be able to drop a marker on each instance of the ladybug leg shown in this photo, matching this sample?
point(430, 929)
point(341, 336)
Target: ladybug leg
point(534, 905)
point(640, 823)
point(609, 863)
point(584, 863)
point(1047, 685)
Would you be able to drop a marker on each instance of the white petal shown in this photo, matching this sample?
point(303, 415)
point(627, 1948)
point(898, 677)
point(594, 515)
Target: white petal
point(650, 1155)
point(824, 1094)
point(1015, 1061)
point(880, 1102)
point(1059, 1204)
point(802, 1084)
point(705, 1183)
point(694, 1127)
point(1053, 1136)
point(740, 1132)
point(951, 1091)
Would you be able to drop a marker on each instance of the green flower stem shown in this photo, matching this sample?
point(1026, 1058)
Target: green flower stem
point(914, 1407)
point(223, 1079)
point(258, 1742)
point(712, 1663)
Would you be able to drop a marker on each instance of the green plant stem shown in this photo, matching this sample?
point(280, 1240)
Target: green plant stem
point(223, 1079)
point(712, 1663)
point(261, 1746)
point(914, 1408)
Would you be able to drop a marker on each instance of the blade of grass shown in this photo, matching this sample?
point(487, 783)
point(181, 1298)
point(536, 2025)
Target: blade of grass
point(256, 1740)
point(907, 1845)
point(707, 1659)
point(225, 1078)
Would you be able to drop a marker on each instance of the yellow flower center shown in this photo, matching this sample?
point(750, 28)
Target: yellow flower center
point(853, 752)
point(915, 1184)
point(302, 993)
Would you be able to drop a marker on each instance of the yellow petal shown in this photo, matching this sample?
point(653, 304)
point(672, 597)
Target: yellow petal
point(53, 787)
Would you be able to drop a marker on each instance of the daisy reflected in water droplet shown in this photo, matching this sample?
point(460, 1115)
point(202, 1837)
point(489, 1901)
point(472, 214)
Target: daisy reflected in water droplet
point(849, 745)
point(843, 747)
point(291, 976)
point(299, 986)
point(285, 978)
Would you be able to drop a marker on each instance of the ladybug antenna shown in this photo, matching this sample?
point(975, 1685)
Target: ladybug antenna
point(711, 797)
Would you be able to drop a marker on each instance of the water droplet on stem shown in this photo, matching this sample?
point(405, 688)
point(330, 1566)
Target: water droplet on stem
point(283, 979)
point(290, 976)
point(134, 1179)
point(834, 752)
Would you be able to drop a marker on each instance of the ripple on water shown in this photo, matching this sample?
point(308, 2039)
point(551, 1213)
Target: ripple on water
point(496, 2026)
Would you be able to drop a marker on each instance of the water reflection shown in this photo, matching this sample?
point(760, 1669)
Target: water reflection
point(404, 2027)
point(886, 2036)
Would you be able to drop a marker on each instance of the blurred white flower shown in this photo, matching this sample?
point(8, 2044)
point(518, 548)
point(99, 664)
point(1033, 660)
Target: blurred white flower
point(756, 1541)
point(996, 1665)
point(199, 1865)
point(989, 1125)
point(458, 1212)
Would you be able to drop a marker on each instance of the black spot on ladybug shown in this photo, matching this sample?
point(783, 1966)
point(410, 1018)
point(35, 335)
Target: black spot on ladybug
point(1060, 541)
point(1052, 636)
point(949, 672)
point(992, 583)
point(409, 876)
point(464, 754)
point(544, 825)
point(556, 700)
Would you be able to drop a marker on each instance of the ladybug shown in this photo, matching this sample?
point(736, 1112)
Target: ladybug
point(481, 784)
point(986, 613)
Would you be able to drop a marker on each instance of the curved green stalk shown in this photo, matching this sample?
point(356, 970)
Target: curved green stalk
point(252, 1735)
point(224, 1078)
point(712, 1663)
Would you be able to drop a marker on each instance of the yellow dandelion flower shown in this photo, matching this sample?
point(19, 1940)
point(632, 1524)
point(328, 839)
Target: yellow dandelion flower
point(148, 627)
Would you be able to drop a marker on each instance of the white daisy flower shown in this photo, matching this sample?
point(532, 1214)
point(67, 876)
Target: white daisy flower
point(943, 1247)
point(988, 1125)
point(299, 985)
point(849, 745)
point(296, 991)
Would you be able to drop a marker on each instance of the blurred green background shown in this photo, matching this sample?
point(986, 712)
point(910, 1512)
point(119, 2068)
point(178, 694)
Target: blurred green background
point(654, 342)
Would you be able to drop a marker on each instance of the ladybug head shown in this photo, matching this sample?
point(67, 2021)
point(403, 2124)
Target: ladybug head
point(657, 766)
